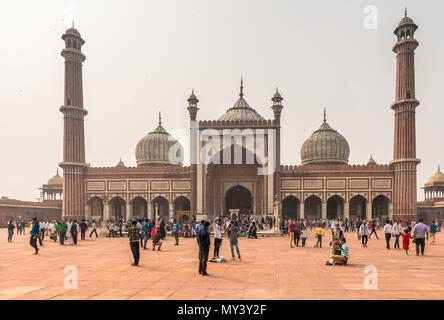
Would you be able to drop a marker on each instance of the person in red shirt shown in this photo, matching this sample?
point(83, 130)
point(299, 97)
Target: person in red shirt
point(406, 241)
point(373, 228)
point(291, 231)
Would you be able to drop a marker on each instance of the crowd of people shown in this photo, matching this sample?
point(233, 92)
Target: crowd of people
point(141, 231)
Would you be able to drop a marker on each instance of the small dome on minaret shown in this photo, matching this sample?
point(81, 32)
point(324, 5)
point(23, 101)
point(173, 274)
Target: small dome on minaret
point(120, 164)
point(193, 97)
point(371, 161)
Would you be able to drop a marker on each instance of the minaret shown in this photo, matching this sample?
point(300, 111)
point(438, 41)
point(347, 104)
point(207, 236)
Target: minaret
point(73, 164)
point(277, 110)
point(404, 154)
point(192, 110)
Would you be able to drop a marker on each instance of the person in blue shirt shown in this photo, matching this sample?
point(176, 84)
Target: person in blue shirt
point(34, 235)
point(150, 228)
point(432, 228)
point(145, 233)
point(176, 229)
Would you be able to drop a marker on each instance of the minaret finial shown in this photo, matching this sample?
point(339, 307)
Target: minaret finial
point(160, 119)
point(405, 11)
point(325, 115)
point(439, 168)
point(73, 23)
point(241, 94)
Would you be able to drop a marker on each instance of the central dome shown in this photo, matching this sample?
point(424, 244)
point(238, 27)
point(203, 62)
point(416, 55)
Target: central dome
point(155, 148)
point(325, 146)
point(241, 110)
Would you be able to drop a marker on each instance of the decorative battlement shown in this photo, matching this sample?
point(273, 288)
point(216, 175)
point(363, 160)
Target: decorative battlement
point(334, 167)
point(165, 169)
point(216, 124)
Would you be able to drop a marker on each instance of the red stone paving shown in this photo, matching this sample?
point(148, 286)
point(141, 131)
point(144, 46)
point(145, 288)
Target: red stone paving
point(269, 270)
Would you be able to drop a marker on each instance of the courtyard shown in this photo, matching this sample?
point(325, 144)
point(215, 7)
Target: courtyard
point(269, 269)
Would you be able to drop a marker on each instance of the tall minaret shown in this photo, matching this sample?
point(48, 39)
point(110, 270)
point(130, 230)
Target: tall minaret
point(73, 131)
point(193, 109)
point(277, 110)
point(404, 156)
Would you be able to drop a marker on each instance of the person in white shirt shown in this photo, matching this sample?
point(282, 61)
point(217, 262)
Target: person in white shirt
point(396, 232)
point(388, 233)
point(363, 230)
point(217, 237)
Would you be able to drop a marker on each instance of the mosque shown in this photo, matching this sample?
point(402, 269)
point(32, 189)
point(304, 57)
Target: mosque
point(324, 185)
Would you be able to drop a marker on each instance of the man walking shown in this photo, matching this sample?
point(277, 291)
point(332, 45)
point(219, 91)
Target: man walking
point(176, 229)
point(62, 231)
point(94, 230)
point(35, 231)
point(10, 231)
point(419, 233)
point(388, 233)
point(134, 236)
point(397, 231)
point(144, 238)
point(42, 232)
point(83, 227)
point(363, 230)
point(232, 235)
point(433, 227)
point(74, 231)
point(203, 240)
point(373, 228)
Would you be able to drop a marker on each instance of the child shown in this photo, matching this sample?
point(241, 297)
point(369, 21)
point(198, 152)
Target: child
point(304, 236)
point(406, 241)
point(319, 232)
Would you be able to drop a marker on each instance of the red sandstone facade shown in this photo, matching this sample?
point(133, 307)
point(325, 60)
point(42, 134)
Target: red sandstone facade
point(325, 186)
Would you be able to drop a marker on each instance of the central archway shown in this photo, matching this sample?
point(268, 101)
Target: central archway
point(238, 197)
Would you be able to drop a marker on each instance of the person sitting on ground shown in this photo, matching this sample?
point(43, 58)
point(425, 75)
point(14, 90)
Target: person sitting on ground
point(156, 240)
point(342, 258)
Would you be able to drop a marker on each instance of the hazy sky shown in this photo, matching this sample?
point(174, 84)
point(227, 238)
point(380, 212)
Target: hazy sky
point(146, 56)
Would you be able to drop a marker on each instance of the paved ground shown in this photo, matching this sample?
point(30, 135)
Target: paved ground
point(269, 270)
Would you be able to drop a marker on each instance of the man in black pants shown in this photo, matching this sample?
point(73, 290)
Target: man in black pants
point(134, 236)
point(420, 231)
point(217, 237)
point(94, 230)
point(388, 233)
point(35, 233)
point(83, 227)
point(203, 240)
point(297, 233)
